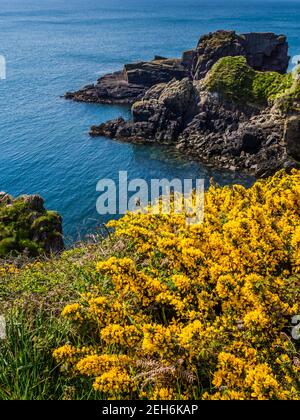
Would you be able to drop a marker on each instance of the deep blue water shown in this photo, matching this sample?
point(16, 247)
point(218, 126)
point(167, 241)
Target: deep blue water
point(52, 46)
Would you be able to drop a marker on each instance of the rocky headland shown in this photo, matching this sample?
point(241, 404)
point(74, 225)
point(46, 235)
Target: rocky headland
point(26, 226)
point(229, 103)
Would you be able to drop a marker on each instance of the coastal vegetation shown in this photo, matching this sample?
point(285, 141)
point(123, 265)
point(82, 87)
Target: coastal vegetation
point(164, 310)
point(25, 225)
point(233, 78)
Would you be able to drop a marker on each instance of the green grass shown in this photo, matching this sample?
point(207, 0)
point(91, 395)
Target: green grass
point(27, 371)
point(31, 301)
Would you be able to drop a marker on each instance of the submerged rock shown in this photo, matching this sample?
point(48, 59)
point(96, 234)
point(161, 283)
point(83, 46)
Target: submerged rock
point(26, 226)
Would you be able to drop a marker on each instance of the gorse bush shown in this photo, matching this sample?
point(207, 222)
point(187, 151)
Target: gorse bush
point(199, 311)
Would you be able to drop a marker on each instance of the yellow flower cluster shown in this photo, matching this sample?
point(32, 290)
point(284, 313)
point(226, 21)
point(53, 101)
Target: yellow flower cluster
point(8, 268)
point(115, 381)
point(199, 311)
point(163, 394)
point(97, 365)
point(72, 312)
point(122, 336)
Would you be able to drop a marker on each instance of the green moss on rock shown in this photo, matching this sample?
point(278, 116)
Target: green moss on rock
point(234, 79)
point(231, 77)
point(290, 101)
point(8, 245)
point(218, 39)
point(269, 86)
point(25, 225)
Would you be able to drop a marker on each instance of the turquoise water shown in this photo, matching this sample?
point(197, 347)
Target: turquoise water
point(53, 46)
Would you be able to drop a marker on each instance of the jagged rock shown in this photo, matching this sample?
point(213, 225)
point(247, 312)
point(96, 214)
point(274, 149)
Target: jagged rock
point(108, 129)
point(160, 116)
point(266, 51)
point(212, 47)
point(225, 138)
point(34, 202)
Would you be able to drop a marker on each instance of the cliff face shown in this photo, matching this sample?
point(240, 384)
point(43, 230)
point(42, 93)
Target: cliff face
point(25, 225)
point(263, 51)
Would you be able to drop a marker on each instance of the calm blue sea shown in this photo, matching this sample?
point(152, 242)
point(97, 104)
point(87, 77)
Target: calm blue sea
point(52, 46)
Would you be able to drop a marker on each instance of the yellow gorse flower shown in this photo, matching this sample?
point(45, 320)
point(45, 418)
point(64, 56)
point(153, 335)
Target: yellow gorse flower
point(115, 381)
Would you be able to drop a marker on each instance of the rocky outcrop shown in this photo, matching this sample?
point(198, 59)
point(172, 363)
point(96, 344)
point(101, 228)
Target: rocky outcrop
point(228, 103)
point(226, 137)
point(266, 51)
point(130, 84)
point(26, 226)
point(159, 117)
point(109, 89)
point(263, 51)
point(231, 119)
